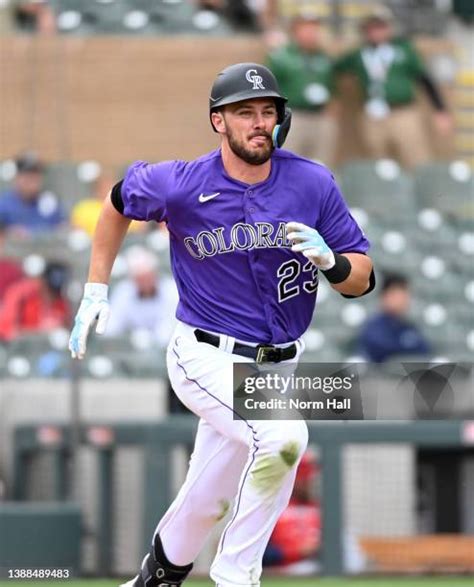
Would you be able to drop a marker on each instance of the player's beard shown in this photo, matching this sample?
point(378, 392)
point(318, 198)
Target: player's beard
point(253, 157)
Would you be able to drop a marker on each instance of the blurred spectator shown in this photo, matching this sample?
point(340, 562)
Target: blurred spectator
point(10, 270)
point(27, 209)
point(295, 543)
point(297, 535)
point(34, 16)
point(86, 212)
point(144, 300)
point(388, 69)
point(305, 74)
point(390, 333)
point(36, 304)
point(276, 16)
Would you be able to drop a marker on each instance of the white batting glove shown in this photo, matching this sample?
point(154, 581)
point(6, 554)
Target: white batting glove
point(94, 306)
point(310, 243)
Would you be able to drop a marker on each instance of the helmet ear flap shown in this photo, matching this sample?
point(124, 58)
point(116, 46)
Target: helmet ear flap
point(282, 129)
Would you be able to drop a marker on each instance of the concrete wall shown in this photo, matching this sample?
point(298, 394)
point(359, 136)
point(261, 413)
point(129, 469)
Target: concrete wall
point(116, 99)
point(112, 99)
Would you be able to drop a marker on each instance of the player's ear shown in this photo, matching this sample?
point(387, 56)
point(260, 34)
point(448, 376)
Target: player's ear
point(218, 121)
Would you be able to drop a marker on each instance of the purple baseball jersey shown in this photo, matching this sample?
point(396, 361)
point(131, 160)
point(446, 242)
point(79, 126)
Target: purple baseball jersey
point(233, 265)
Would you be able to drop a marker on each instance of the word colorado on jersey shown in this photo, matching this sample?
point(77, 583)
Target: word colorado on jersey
point(240, 237)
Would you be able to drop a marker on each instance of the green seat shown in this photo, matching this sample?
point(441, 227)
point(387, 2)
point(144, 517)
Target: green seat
point(4, 186)
point(380, 188)
point(120, 357)
point(444, 321)
point(37, 355)
point(427, 286)
point(440, 236)
point(447, 187)
point(170, 17)
point(52, 245)
point(104, 345)
point(319, 348)
point(139, 364)
point(105, 16)
point(3, 360)
point(66, 180)
point(390, 260)
point(70, 18)
point(329, 354)
point(7, 174)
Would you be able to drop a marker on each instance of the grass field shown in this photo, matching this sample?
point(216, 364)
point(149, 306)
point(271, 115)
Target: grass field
point(286, 582)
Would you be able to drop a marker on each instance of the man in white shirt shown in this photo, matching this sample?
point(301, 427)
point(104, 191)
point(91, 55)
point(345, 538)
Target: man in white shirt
point(144, 300)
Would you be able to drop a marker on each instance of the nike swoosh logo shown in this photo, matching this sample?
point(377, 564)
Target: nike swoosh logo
point(206, 197)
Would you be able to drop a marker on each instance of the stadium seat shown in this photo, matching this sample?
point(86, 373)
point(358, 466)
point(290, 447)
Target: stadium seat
point(183, 17)
point(71, 22)
point(138, 364)
point(106, 16)
point(446, 323)
point(71, 181)
point(433, 233)
point(3, 361)
point(53, 245)
point(389, 246)
point(447, 187)
point(172, 17)
point(7, 174)
point(38, 355)
point(381, 188)
point(436, 236)
point(436, 281)
point(156, 241)
point(319, 349)
point(132, 355)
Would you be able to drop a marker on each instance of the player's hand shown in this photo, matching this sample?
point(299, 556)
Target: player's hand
point(310, 243)
point(94, 306)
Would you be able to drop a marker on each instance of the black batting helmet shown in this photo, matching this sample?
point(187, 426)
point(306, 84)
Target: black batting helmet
point(244, 81)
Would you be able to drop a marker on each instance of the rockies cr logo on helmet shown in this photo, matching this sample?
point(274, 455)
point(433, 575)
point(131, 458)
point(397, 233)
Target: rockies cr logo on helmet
point(255, 79)
point(232, 85)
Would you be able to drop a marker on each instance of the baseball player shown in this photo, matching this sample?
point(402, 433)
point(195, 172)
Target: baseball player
point(251, 228)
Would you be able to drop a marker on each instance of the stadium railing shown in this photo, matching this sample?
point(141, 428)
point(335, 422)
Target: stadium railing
point(383, 553)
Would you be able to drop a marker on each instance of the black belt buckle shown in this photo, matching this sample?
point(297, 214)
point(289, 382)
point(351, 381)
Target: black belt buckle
point(267, 353)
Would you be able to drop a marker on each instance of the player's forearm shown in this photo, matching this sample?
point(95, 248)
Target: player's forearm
point(357, 282)
point(109, 234)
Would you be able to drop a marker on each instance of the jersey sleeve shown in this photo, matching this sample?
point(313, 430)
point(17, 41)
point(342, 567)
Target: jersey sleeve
point(145, 190)
point(337, 225)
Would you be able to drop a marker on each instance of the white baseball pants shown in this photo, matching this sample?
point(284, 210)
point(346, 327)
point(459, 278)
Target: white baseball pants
point(251, 462)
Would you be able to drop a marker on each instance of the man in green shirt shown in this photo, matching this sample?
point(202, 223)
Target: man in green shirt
point(388, 70)
point(305, 75)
